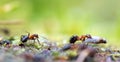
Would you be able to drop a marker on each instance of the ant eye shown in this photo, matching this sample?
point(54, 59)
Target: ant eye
point(73, 39)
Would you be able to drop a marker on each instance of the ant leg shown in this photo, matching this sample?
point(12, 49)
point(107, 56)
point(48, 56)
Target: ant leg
point(28, 33)
point(38, 42)
point(34, 41)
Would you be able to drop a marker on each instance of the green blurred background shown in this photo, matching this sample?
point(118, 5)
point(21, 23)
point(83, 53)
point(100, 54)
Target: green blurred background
point(62, 18)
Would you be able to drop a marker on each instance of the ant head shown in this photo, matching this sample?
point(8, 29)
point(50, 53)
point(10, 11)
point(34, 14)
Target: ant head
point(73, 39)
point(88, 36)
point(36, 35)
point(103, 41)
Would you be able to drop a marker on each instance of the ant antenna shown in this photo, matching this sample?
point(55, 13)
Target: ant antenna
point(28, 33)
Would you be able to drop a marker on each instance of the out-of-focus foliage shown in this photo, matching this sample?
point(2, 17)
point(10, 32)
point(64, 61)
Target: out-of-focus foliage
point(59, 18)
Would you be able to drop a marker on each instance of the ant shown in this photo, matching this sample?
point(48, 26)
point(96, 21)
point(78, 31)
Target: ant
point(5, 42)
point(75, 38)
point(25, 38)
point(87, 39)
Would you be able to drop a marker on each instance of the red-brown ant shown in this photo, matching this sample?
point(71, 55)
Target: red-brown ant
point(87, 39)
point(25, 38)
point(75, 38)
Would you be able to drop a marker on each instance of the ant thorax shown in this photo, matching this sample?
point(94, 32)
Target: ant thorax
point(33, 36)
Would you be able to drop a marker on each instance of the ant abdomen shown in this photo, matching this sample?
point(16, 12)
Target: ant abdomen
point(24, 38)
point(73, 39)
